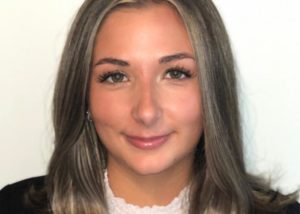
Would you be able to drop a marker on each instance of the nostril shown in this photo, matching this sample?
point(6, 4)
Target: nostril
point(147, 110)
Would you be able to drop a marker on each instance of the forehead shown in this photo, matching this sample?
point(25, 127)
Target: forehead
point(142, 28)
point(137, 10)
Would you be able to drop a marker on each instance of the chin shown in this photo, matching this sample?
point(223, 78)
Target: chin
point(151, 167)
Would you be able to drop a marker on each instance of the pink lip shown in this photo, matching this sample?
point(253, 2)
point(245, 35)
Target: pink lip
point(147, 143)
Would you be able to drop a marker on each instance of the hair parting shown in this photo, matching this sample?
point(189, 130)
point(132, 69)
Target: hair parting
point(220, 183)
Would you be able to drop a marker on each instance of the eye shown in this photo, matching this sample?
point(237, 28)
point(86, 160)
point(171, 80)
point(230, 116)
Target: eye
point(112, 77)
point(178, 73)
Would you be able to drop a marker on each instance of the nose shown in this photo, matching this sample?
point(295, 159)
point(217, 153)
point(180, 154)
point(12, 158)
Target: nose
point(147, 106)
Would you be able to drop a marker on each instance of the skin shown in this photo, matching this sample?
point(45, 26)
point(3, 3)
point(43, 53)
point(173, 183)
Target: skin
point(146, 100)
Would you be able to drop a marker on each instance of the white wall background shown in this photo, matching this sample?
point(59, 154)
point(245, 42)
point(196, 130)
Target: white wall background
point(265, 36)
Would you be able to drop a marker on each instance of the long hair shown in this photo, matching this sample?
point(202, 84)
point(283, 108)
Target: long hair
point(220, 183)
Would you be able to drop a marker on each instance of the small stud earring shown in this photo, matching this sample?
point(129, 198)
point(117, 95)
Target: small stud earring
point(88, 116)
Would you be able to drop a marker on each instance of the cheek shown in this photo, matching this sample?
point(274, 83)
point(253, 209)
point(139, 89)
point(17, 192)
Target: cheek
point(181, 106)
point(107, 109)
point(186, 107)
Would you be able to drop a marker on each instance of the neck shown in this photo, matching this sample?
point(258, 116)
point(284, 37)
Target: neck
point(148, 190)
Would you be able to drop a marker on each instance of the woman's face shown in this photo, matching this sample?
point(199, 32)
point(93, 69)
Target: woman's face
point(144, 96)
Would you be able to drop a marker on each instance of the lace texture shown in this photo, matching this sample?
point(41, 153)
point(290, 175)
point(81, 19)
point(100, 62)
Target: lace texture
point(117, 205)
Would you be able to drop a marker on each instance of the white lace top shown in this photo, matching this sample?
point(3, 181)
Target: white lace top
point(116, 205)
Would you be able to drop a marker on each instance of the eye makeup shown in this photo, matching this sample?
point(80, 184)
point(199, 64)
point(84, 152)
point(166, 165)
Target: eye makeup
point(111, 77)
point(178, 73)
point(173, 73)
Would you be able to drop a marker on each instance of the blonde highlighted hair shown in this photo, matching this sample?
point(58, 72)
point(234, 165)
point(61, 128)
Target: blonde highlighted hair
point(220, 183)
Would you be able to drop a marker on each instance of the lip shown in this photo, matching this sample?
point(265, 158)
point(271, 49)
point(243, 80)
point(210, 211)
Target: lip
point(147, 143)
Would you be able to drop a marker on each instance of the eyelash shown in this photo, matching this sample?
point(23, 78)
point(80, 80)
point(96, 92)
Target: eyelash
point(105, 76)
point(182, 70)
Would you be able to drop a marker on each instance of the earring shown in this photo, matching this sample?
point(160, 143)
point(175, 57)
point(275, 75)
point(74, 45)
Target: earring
point(88, 116)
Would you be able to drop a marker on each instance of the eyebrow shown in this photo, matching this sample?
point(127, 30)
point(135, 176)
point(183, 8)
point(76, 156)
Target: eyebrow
point(111, 60)
point(162, 60)
point(175, 57)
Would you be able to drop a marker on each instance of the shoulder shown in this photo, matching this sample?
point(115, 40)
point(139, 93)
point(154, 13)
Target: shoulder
point(12, 197)
point(293, 209)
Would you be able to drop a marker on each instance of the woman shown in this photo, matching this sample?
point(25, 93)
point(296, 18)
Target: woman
point(146, 118)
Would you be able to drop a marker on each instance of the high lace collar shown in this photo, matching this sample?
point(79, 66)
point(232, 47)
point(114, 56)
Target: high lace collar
point(117, 205)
